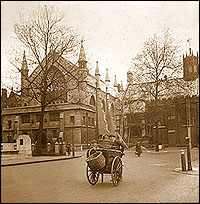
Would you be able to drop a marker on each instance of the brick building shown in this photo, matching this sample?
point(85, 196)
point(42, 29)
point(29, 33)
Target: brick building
point(178, 115)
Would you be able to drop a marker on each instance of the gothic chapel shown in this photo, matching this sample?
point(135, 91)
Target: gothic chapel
point(80, 105)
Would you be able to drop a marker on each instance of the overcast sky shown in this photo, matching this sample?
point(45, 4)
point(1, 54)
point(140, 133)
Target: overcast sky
point(114, 31)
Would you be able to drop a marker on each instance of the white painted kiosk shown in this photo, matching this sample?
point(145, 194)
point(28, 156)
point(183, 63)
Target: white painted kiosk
point(24, 145)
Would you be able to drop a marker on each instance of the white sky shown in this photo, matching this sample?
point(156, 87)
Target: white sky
point(114, 31)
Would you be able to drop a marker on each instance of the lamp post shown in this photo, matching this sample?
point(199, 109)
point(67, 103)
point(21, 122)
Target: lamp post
point(72, 140)
point(97, 114)
point(87, 128)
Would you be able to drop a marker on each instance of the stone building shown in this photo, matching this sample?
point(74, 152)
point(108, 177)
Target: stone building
point(85, 108)
point(178, 115)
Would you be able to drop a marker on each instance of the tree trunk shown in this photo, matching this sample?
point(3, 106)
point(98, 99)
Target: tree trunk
point(40, 133)
point(156, 142)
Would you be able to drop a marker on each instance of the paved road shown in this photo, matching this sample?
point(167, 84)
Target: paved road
point(146, 179)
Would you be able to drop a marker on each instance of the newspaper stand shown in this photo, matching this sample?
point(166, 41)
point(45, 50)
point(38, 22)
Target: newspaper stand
point(104, 159)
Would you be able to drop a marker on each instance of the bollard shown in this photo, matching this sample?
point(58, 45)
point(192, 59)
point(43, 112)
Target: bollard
point(33, 148)
point(63, 148)
point(57, 148)
point(183, 163)
point(48, 147)
point(81, 147)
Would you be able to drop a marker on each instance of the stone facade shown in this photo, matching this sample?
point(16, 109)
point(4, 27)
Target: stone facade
point(80, 114)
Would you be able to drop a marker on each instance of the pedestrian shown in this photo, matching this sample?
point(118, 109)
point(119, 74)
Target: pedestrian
point(138, 151)
point(68, 148)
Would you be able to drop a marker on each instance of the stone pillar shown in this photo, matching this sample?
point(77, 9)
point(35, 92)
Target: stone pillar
point(60, 148)
point(63, 148)
point(56, 148)
point(48, 147)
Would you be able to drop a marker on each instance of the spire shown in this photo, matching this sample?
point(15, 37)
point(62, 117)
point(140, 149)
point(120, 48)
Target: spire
point(97, 69)
point(107, 77)
point(115, 82)
point(122, 85)
point(82, 53)
point(24, 62)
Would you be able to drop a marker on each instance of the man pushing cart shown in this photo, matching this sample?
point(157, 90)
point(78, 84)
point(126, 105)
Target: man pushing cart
point(106, 158)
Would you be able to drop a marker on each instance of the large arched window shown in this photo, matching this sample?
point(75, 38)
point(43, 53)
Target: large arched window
point(55, 85)
point(55, 79)
point(92, 101)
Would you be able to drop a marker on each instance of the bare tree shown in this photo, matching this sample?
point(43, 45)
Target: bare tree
point(46, 41)
point(153, 70)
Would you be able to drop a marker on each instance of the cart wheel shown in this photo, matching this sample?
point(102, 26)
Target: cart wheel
point(92, 176)
point(116, 170)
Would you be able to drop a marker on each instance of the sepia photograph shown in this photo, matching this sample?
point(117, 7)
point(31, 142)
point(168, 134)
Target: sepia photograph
point(99, 101)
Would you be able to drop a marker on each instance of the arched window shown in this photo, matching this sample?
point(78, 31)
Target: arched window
point(190, 68)
point(92, 101)
point(195, 68)
point(103, 105)
point(55, 85)
point(112, 110)
point(55, 80)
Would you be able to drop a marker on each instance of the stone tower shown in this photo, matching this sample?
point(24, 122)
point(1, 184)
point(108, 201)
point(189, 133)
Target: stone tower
point(129, 77)
point(190, 66)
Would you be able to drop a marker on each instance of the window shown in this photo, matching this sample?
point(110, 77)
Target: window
point(21, 141)
point(55, 116)
point(10, 138)
point(112, 110)
point(83, 120)
point(54, 133)
point(190, 68)
point(103, 105)
point(37, 117)
point(66, 97)
point(72, 120)
point(171, 112)
point(9, 124)
point(88, 121)
point(195, 68)
point(92, 121)
point(25, 118)
point(92, 101)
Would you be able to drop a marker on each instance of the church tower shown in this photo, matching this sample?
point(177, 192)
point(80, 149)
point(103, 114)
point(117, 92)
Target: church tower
point(129, 77)
point(190, 66)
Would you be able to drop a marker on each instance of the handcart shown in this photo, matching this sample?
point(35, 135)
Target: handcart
point(104, 160)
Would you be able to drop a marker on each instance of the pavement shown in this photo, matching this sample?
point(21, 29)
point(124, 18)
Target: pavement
point(195, 168)
point(21, 160)
point(16, 160)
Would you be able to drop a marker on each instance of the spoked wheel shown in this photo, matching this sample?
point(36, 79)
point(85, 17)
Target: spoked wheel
point(116, 170)
point(92, 176)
